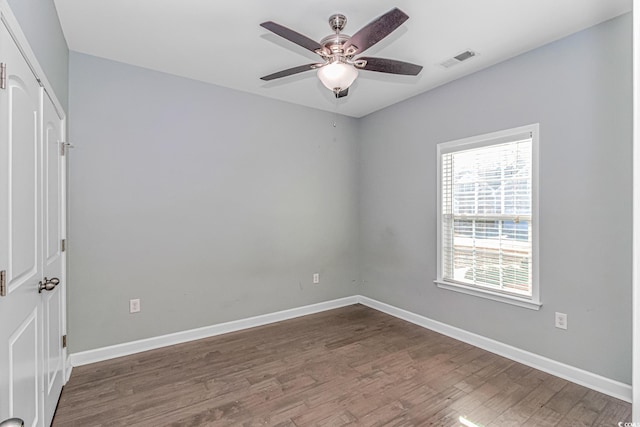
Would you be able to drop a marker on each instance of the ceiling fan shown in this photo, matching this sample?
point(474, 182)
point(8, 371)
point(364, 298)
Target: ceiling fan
point(339, 68)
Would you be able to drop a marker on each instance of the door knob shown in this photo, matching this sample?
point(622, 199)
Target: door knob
point(12, 422)
point(47, 285)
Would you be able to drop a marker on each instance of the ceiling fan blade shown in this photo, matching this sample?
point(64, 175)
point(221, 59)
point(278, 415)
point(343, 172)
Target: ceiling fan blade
point(342, 93)
point(290, 71)
point(391, 66)
point(292, 36)
point(377, 29)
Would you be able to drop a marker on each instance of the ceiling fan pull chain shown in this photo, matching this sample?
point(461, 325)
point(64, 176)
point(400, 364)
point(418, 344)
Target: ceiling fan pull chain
point(335, 114)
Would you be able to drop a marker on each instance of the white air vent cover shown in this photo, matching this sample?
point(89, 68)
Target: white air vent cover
point(462, 56)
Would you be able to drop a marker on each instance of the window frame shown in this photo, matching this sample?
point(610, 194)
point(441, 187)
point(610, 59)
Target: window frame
point(533, 302)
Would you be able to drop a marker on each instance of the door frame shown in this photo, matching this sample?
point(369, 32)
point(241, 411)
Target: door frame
point(12, 24)
point(635, 381)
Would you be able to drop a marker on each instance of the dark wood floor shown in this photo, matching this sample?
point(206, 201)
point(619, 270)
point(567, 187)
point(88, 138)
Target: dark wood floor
point(352, 365)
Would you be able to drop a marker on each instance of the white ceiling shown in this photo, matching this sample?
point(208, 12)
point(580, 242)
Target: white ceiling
point(221, 42)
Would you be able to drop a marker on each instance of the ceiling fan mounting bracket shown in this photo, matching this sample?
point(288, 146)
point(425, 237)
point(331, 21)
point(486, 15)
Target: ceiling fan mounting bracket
point(337, 22)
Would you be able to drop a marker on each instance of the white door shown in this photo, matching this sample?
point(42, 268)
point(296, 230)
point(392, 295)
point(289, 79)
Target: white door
point(20, 241)
point(53, 232)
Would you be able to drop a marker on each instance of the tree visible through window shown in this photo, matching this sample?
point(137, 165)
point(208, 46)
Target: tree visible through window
point(487, 214)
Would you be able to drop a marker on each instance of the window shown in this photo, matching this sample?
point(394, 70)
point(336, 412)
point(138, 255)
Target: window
point(487, 216)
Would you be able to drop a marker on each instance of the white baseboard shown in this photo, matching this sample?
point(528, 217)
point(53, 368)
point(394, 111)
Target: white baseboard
point(125, 349)
point(68, 367)
point(579, 376)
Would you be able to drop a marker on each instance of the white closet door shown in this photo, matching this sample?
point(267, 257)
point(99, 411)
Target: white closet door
point(20, 239)
point(53, 232)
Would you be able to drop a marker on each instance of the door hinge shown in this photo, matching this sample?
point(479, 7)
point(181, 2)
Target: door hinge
point(64, 146)
point(3, 75)
point(63, 245)
point(64, 341)
point(3, 283)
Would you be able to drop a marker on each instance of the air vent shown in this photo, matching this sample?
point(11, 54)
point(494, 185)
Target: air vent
point(463, 56)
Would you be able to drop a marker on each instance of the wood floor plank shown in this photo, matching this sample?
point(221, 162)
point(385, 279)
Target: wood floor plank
point(349, 366)
point(475, 398)
point(519, 413)
point(614, 412)
point(543, 417)
point(567, 398)
point(480, 416)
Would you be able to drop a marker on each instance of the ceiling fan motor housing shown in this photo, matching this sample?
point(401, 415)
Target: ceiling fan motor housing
point(335, 42)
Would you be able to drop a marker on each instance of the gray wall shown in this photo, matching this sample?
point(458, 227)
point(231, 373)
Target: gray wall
point(39, 22)
point(206, 203)
point(579, 90)
point(212, 205)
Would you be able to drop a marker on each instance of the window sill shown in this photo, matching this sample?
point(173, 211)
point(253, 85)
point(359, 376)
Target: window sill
point(487, 294)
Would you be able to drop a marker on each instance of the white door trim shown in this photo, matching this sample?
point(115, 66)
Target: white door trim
point(635, 381)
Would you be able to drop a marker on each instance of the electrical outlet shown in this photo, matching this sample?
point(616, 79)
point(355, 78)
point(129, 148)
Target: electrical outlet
point(316, 277)
point(134, 305)
point(561, 320)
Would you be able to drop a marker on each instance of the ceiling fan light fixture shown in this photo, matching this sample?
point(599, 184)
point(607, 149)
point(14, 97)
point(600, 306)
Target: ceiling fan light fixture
point(337, 76)
point(340, 67)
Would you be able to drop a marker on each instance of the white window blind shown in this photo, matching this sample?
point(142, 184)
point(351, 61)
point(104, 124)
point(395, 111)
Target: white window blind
point(486, 214)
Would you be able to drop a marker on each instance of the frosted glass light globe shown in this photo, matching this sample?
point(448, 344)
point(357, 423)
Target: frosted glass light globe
point(337, 75)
